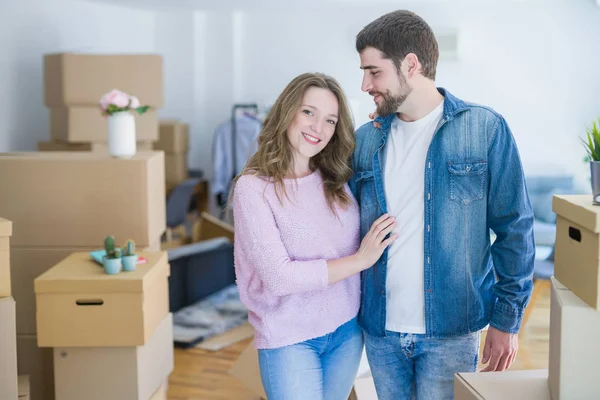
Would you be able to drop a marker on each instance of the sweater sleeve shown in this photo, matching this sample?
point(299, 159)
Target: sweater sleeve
point(258, 239)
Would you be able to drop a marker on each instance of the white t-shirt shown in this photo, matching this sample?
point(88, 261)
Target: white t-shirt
point(406, 153)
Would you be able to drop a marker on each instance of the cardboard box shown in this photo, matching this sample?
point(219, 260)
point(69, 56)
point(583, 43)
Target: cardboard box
point(176, 168)
point(574, 346)
point(95, 147)
point(75, 199)
point(513, 385)
point(8, 349)
point(79, 305)
point(247, 371)
point(577, 254)
point(76, 79)
point(29, 263)
point(87, 124)
point(173, 137)
point(24, 387)
point(5, 233)
point(37, 363)
point(115, 373)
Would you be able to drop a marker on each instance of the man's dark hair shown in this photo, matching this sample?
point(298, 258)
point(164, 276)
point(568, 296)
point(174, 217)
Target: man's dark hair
point(399, 33)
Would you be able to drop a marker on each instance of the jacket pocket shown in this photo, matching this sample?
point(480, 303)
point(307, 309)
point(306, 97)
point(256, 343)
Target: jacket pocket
point(467, 181)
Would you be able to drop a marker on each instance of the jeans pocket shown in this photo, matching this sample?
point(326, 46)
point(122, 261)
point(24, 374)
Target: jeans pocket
point(467, 181)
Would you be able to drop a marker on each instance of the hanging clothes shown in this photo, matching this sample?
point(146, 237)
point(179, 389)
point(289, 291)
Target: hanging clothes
point(247, 130)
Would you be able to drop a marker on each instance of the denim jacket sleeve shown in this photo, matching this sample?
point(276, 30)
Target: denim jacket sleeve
point(510, 216)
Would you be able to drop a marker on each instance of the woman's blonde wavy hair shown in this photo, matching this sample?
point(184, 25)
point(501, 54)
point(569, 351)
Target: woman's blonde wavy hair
point(274, 157)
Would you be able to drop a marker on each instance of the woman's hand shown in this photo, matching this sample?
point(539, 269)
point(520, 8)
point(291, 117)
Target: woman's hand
point(374, 242)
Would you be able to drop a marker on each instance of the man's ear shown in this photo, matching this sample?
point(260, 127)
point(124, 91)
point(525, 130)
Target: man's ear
point(412, 64)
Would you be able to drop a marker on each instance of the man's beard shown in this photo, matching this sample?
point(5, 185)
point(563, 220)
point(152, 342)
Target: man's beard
point(390, 103)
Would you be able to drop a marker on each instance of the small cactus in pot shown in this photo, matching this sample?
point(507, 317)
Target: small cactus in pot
point(129, 257)
point(112, 259)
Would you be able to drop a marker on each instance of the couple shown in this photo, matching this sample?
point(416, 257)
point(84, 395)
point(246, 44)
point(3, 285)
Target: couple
point(408, 202)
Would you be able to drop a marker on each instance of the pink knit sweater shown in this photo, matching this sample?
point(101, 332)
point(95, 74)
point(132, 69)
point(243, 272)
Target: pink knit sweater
point(280, 260)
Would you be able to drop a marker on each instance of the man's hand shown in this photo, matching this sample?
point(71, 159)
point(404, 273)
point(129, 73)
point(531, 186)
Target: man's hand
point(500, 350)
point(374, 115)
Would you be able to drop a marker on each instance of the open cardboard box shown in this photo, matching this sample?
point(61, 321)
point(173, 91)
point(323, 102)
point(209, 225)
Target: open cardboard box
point(247, 371)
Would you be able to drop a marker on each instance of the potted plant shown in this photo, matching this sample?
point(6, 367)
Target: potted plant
point(592, 146)
point(119, 108)
point(112, 259)
point(128, 256)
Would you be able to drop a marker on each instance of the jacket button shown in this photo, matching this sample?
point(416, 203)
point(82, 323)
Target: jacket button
point(468, 168)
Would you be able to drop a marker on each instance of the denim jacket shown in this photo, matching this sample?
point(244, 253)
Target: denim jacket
point(474, 182)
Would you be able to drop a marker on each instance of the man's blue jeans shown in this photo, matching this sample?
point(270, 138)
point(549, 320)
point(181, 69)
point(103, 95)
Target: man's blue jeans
point(411, 366)
point(323, 368)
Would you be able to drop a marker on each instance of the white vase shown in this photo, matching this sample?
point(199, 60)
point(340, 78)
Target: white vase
point(121, 134)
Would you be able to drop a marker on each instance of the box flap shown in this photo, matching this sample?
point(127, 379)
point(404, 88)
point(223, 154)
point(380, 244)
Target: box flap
point(247, 371)
point(78, 273)
point(557, 285)
point(5, 227)
point(23, 386)
point(514, 385)
point(578, 209)
point(567, 298)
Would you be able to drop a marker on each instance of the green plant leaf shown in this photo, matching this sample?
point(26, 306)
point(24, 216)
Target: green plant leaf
point(592, 144)
point(141, 110)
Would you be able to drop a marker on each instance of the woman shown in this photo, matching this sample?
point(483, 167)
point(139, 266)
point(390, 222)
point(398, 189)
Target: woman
point(297, 250)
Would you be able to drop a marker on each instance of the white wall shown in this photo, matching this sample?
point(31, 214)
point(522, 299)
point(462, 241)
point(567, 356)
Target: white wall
point(535, 62)
point(30, 28)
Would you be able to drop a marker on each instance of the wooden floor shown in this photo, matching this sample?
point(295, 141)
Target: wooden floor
point(202, 375)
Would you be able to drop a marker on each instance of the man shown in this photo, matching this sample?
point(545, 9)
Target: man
point(449, 171)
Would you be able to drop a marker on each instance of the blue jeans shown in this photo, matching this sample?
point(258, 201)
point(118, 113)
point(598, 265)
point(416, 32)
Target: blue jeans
point(318, 369)
point(411, 366)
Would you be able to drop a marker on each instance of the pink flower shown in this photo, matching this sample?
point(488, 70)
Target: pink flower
point(134, 102)
point(116, 97)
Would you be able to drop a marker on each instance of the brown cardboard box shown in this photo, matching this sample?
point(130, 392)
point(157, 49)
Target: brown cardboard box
point(37, 363)
point(173, 137)
point(574, 346)
point(161, 393)
point(247, 371)
point(24, 387)
point(95, 147)
point(577, 255)
point(176, 168)
point(8, 349)
point(79, 305)
point(29, 263)
point(86, 124)
point(5, 233)
point(115, 373)
point(75, 199)
point(82, 79)
point(513, 385)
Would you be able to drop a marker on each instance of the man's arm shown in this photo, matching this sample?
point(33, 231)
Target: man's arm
point(510, 216)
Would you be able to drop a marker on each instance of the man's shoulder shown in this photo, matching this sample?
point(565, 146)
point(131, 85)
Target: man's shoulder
point(483, 110)
point(365, 131)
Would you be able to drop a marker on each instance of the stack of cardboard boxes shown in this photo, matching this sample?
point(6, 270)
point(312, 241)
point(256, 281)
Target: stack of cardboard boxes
point(73, 86)
point(66, 202)
point(174, 140)
point(112, 335)
point(575, 300)
point(574, 318)
point(11, 386)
